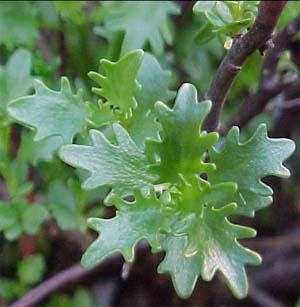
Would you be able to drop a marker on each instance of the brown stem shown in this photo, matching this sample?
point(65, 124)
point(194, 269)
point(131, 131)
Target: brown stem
point(270, 84)
point(256, 38)
point(73, 274)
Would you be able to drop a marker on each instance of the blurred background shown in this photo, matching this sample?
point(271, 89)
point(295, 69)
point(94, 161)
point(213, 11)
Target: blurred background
point(45, 232)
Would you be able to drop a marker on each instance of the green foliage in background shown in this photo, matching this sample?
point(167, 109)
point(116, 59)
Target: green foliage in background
point(127, 132)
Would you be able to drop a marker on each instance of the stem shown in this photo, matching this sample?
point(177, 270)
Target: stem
point(270, 84)
point(258, 37)
point(71, 275)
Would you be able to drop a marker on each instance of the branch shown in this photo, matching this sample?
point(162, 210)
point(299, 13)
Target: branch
point(258, 37)
point(73, 274)
point(270, 84)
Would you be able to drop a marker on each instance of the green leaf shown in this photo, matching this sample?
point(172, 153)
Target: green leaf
point(248, 163)
point(18, 24)
point(31, 269)
point(154, 82)
point(228, 17)
point(220, 250)
point(62, 204)
point(71, 10)
point(32, 218)
point(133, 19)
point(8, 216)
point(122, 166)
point(203, 6)
point(49, 112)
point(35, 152)
point(182, 146)
point(205, 33)
point(142, 125)
point(11, 289)
point(134, 221)
point(119, 85)
point(207, 240)
point(19, 217)
point(82, 297)
point(183, 270)
point(101, 114)
point(15, 79)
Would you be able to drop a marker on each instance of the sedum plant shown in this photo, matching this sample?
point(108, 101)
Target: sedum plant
point(172, 183)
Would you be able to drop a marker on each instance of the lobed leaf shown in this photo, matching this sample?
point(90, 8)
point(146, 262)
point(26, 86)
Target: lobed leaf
point(119, 85)
point(141, 219)
point(49, 112)
point(133, 19)
point(247, 164)
point(182, 146)
point(122, 166)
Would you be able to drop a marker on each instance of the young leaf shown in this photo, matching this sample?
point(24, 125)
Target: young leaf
point(141, 219)
point(154, 81)
point(182, 146)
point(101, 114)
point(49, 112)
point(122, 166)
point(119, 85)
point(133, 18)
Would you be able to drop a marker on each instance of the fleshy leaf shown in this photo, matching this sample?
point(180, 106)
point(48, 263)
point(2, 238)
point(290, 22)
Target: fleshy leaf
point(154, 81)
point(207, 241)
point(219, 249)
point(119, 85)
point(49, 112)
point(133, 222)
point(121, 166)
point(15, 79)
point(246, 164)
point(101, 114)
point(133, 18)
point(182, 146)
point(183, 270)
point(142, 125)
